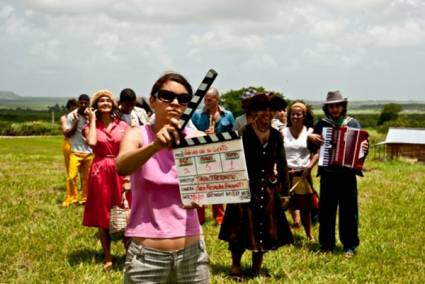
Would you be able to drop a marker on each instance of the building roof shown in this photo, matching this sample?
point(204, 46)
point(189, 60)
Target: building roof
point(405, 136)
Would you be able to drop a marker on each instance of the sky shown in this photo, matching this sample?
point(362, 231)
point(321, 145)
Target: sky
point(367, 49)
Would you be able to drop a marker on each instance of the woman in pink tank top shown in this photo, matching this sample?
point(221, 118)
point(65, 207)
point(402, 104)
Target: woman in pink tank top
point(167, 244)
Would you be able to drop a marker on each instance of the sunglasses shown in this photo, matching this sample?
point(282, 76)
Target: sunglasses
point(168, 97)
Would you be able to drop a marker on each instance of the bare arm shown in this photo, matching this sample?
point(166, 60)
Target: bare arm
point(135, 153)
point(66, 130)
point(90, 132)
point(64, 125)
point(315, 139)
point(132, 152)
point(314, 158)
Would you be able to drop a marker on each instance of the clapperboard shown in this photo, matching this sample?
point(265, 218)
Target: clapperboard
point(211, 169)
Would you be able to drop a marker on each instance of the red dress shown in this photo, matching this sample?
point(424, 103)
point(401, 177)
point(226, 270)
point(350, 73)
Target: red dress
point(105, 185)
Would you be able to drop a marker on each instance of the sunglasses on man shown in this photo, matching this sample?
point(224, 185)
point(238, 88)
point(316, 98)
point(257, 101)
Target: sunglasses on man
point(168, 96)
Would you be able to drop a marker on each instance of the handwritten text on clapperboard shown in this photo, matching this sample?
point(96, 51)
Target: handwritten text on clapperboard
point(212, 173)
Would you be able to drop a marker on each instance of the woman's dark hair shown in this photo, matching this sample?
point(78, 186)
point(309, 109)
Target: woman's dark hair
point(171, 77)
point(71, 103)
point(308, 115)
point(343, 113)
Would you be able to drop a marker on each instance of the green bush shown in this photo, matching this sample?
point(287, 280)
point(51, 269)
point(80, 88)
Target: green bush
point(231, 99)
point(29, 128)
point(23, 115)
point(416, 120)
point(389, 112)
point(367, 119)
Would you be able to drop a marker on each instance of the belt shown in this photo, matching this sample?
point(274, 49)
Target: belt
point(105, 156)
point(295, 172)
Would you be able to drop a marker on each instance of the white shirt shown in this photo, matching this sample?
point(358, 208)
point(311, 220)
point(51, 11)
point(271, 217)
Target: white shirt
point(77, 141)
point(297, 153)
point(278, 125)
point(240, 122)
point(136, 117)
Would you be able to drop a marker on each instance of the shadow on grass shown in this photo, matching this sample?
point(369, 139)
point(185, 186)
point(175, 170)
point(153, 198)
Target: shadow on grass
point(61, 188)
point(315, 248)
point(224, 271)
point(219, 269)
point(90, 256)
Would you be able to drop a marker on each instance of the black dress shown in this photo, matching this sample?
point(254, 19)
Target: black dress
point(260, 224)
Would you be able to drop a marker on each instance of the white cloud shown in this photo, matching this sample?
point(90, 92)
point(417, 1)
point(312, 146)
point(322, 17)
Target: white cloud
point(68, 7)
point(116, 43)
point(410, 33)
point(6, 11)
point(352, 5)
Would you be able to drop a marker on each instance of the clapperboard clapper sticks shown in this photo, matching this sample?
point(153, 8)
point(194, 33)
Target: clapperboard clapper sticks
point(197, 97)
point(211, 169)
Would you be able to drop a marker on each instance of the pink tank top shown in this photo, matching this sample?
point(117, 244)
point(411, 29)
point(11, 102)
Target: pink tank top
point(155, 207)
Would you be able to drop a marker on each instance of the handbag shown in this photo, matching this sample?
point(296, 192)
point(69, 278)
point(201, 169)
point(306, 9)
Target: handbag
point(119, 216)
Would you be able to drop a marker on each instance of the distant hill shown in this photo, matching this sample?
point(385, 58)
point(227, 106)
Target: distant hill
point(6, 95)
point(11, 100)
point(376, 104)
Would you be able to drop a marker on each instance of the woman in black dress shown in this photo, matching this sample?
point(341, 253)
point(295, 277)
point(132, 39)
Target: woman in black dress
point(260, 225)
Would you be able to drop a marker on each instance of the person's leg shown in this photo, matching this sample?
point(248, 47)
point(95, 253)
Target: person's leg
point(348, 215)
point(105, 240)
point(306, 221)
point(257, 261)
point(218, 213)
point(84, 174)
point(201, 215)
point(328, 206)
point(295, 217)
point(236, 261)
point(71, 180)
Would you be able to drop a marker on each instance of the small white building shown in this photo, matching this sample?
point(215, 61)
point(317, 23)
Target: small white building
point(406, 142)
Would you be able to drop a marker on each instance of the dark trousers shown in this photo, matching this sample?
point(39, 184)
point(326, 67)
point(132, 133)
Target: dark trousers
point(338, 189)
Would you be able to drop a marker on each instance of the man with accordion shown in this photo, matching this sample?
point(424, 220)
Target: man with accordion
point(343, 149)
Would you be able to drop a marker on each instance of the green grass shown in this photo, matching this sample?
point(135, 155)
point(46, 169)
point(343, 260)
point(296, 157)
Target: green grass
point(41, 242)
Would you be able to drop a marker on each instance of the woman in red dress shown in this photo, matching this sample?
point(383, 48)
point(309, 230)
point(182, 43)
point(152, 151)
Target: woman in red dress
point(104, 134)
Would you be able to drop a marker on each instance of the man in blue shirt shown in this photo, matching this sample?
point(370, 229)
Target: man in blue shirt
point(213, 119)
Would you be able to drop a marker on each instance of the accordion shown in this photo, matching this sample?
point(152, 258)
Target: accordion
point(342, 146)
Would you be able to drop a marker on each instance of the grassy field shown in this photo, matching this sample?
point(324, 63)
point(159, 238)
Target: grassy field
point(41, 242)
